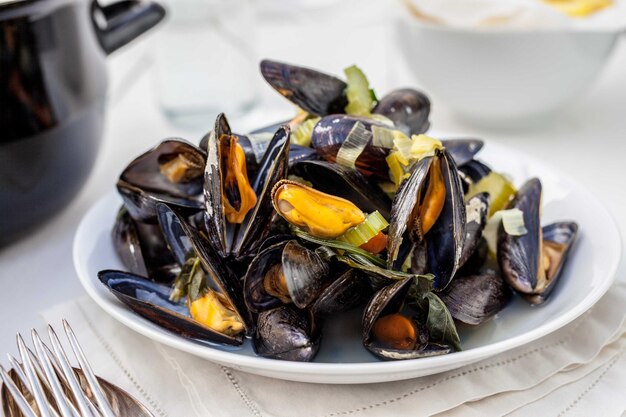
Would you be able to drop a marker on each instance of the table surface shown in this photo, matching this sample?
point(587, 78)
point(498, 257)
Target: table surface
point(587, 141)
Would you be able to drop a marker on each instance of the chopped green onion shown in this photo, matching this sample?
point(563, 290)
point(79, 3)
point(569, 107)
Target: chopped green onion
point(353, 146)
point(358, 92)
point(513, 222)
point(362, 233)
point(302, 134)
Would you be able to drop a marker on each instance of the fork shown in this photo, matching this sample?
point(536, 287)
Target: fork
point(44, 384)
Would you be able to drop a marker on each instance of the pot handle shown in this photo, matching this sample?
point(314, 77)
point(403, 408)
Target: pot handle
point(119, 23)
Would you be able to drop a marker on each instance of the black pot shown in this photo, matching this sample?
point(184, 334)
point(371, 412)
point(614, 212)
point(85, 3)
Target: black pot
point(53, 84)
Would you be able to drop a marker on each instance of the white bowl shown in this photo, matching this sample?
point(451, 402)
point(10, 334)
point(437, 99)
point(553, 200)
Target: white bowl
point(501, 77)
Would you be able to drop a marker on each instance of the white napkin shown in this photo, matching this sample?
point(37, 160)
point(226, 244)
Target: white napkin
point(579, 370)
point(514, 14)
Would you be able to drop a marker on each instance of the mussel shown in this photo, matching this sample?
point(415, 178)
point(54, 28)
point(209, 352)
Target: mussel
point(286, 333)
point(393, 330)
point(142, 248)
point(152, 301)
point(428, 216)
point(407, 108)
point(313, 91)
point(321, 214)
point(171, 172)
point(332, 132)
point(532, 263)
point(284, 273)
point(350, 290)
point(345, 183)
point(474, 299)
point(238, 211)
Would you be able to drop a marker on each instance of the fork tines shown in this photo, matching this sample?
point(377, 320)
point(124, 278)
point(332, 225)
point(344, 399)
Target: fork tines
point(43, 383)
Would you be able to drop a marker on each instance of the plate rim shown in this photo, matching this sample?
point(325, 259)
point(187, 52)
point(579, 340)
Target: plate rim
point(114, 308)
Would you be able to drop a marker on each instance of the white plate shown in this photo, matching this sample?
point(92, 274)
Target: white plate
point(342, 360)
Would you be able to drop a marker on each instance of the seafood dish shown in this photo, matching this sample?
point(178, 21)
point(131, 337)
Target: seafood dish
point(348, 205)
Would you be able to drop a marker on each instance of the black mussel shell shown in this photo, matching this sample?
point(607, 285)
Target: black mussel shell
point(462, 150)
point(127, 244)
point(477, 210)
point(444, 242)
point(347, 183)
point(151, 301)
point(520, 256)
point(286, 333)
point(331, 132)
point(272, 168)
point(391, 300)
point(405, 200)
point(173, 234)
point(144, 171)
point(476, 261)
point(407, 108)
point(305, 273)
point(240, 240)
point(475, 170)
point(475, 298)
point(352, 289)
point(250, 150)
point(142, 249)
point(217, 267)
point(142, 185)
point(315, 92)
point(562, 233)
point(141, 205)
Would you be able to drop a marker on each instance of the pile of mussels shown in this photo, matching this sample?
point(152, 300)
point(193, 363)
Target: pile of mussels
point(348, 205)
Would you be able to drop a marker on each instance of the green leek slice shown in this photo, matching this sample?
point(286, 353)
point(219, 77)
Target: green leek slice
point(362, 233)
point(358, 92)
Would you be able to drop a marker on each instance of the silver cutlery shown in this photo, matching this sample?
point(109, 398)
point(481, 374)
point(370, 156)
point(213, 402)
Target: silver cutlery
point(43, 383)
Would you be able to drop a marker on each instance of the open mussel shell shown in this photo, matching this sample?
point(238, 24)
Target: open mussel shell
point(463, 150)
point(151, 301)
point(346, 183)
point(313, 91)
point(294, 273)
point(171, 173)
point(141, 205)
point(444, 242)
point(407, 108)
point(148, 171)
point(232, 239)
point(473, 299)
point(477, 210)
point(391, 300)
point(250, 149)
point(330, 133)
point(142, 248)
point(474, 170)
point(532, 263)
point(350, 290)
point(286, 333)
point(216, 267)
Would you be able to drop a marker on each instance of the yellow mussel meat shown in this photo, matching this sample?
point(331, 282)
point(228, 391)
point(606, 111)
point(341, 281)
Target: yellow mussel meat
point(318, 213)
